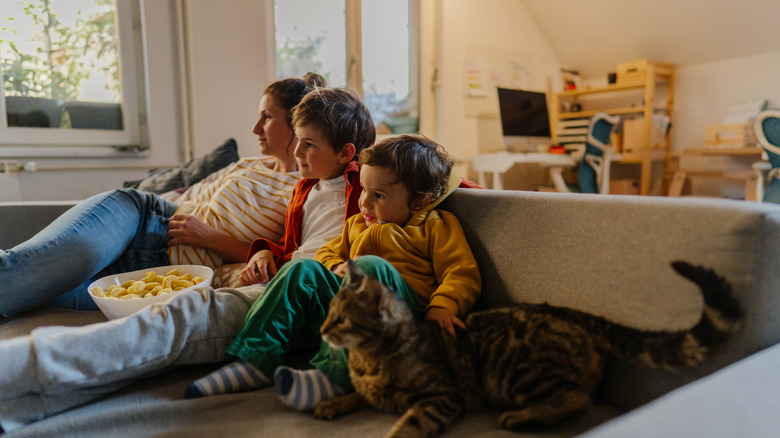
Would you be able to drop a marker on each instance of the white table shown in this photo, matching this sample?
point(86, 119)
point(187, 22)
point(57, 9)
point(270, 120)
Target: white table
point(499, 163)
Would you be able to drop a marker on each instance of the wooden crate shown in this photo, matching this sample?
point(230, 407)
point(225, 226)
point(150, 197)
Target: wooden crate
point(638, 66)
point(737, 135)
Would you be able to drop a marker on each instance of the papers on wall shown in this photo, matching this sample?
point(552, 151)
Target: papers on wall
point(475, 81)
point(484, 69)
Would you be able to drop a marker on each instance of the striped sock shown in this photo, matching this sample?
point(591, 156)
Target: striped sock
point(238, 376)
point(302, 390)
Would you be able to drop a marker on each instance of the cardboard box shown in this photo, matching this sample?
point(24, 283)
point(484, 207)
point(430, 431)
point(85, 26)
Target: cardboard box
point(624, 186)
point(633, 132)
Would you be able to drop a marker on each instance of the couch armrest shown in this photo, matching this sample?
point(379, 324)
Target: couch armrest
point(21, 220)
point(739, 400)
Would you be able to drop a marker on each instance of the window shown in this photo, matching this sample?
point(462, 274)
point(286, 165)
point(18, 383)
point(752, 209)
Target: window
point(368, 45)
point(69, 75)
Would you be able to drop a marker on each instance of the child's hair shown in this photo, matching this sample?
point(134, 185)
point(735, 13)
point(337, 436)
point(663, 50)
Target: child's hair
point(289, 92)
point(339, 115)
point(419, 162)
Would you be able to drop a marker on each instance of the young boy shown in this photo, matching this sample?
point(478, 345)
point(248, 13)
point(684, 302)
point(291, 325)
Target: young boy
point(332, 126)
point(425, 258)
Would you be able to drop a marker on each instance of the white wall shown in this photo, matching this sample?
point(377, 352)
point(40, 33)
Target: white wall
point(231, 60)
point(502, 25)
point(704, 93)
point(498, 26)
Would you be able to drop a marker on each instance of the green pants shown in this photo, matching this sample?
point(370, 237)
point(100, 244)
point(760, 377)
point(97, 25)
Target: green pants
point(294, 306)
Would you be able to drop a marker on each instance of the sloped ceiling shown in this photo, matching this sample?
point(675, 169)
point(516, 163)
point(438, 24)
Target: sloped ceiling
point(593, 36)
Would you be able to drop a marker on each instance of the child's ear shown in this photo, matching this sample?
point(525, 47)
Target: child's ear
point(419, 203)
point(347, 153)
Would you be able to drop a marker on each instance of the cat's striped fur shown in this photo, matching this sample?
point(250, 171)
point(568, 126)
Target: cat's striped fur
point(539, 363)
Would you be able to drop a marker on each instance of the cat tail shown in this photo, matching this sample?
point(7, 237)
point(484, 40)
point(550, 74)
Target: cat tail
point(722, 313)
point(721, 316)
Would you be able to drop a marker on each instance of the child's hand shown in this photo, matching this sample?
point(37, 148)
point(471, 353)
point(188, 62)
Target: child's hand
point(260, 268)
point(445, 318)
point(341, 269)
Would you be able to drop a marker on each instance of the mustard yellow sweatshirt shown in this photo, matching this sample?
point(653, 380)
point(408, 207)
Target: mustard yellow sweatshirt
point(430, 252)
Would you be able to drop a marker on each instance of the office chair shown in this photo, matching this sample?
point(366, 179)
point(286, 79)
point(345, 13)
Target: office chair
point(767, 128)
point(593, 172)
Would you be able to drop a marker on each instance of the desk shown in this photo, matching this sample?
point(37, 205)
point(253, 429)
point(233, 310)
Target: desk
point(500, 162)
point(753, 178)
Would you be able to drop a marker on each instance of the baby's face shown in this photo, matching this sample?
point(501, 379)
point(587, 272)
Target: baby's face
point(383, 199)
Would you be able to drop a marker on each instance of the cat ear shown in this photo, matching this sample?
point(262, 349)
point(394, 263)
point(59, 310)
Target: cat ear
point(354, 275)
point(388, 303)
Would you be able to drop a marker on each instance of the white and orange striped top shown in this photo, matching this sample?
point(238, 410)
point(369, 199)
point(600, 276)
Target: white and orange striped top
point(246, 199)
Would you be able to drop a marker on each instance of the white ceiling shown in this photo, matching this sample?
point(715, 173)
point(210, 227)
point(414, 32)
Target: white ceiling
point(593, 36)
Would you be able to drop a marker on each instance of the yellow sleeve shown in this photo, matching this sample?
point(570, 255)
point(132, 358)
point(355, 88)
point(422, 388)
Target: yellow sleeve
point(337, 250)
point(454, 265)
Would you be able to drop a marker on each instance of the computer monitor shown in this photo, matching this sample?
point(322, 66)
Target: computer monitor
point(525, 123)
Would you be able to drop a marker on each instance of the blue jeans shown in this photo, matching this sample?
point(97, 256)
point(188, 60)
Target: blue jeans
point(117, 231)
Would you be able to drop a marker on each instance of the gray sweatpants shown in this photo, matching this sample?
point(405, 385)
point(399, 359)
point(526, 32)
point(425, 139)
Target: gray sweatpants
point(56, 368)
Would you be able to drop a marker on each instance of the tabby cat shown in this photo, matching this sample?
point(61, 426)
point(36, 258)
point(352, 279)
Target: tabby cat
point(540, 362)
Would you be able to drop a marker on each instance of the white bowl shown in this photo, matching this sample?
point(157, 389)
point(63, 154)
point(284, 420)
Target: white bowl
point(114, 308)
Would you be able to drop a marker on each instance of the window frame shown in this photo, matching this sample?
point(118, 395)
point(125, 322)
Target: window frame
point(353, 11)
point(57, 142)
point(354, 50)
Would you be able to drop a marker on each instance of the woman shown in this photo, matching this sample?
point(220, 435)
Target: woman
point(126, 230)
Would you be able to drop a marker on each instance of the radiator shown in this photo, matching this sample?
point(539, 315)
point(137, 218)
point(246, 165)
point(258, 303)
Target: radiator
point(9, 181)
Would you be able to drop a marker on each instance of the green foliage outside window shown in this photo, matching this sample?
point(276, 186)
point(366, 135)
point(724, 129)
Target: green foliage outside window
point(65, 55)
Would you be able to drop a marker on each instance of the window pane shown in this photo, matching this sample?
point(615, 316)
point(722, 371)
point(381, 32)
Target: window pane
point(60, 64)
point(311, 36)
point(386, 85)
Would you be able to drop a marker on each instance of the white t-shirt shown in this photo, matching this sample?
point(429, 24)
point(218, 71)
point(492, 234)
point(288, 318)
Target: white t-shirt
point(323, 214)
point(246, 199)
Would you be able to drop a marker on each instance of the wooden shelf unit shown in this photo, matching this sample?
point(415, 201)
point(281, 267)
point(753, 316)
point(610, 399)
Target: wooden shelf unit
point(656, 74)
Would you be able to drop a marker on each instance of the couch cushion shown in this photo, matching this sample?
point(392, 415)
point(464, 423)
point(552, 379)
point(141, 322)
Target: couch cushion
point(22, 220)
point(190, 172)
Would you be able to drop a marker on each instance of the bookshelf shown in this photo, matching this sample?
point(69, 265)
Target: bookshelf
point(652, 82)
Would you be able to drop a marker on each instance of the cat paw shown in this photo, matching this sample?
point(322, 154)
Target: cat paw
point(327, 410)
point(519, 421)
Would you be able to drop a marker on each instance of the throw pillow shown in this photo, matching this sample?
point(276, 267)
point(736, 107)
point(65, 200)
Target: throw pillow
point(161, 181)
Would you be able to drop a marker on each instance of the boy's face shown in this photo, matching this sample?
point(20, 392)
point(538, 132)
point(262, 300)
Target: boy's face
point(383, 200)
point(316, 158)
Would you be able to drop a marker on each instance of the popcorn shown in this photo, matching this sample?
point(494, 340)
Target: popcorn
point(152, 285)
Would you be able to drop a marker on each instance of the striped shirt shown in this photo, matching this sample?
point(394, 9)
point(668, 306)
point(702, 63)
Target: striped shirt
point(246, 199)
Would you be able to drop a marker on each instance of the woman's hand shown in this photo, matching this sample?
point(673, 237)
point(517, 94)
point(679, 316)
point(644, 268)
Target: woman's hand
point(190, 231)
point(445, 318)
point(187, 230)
point(261, 268)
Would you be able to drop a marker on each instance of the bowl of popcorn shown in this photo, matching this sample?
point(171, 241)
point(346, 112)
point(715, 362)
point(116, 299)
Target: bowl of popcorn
point(120, 295)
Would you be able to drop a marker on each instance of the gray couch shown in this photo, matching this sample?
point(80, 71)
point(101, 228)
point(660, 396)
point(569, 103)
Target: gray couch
point(604, 254)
